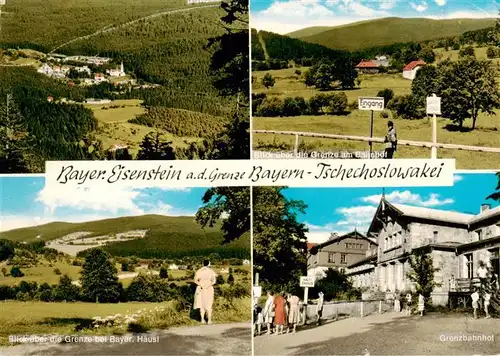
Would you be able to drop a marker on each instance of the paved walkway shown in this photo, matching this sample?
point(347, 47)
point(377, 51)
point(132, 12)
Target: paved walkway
point(388, 334)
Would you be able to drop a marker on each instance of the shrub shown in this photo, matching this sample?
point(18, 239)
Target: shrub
point(220, 280)
point(230, 279)
point(337, 103)
point(387, 94)
point(298, 71)
point(405, 107)
point(57, 271)
point(16, 272)
point(125, 267)
point(4, 272)
point(270, 107)
point(384, 114)
point(163, 273)
point(147, 288)
point(268, 80)
point(491, 52)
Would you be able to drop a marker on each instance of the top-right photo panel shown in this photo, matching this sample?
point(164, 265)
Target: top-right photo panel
point(377, 79)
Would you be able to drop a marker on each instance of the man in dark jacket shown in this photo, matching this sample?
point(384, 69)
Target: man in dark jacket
point(391, 140)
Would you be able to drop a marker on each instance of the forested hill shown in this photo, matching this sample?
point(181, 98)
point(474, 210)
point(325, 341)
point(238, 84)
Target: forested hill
point(387, 31)
point(167, 236)
point(286, 48)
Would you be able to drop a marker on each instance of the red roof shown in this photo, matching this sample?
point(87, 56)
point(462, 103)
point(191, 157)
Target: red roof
point(414, 64)
point(367, 64)
point(310, 245)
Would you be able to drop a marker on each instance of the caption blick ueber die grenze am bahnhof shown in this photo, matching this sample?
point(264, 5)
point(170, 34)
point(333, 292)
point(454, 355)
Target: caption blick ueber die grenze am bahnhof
point(255, 173)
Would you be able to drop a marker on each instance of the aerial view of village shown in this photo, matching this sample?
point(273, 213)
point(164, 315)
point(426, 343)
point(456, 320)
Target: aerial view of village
point(122, 79)
point(356, 79)
point(374, 271)
point(125, 271)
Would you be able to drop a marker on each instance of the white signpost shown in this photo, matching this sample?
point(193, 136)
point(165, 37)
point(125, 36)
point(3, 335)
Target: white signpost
point(434, 108)
point(306, 282)
point(372, 104)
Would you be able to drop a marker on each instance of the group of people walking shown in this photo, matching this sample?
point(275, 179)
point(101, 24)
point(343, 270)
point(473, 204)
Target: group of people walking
point(281, 313)
point(407, 304)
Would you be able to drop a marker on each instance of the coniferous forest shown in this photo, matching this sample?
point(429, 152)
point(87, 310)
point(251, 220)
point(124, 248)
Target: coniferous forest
point(185, 69)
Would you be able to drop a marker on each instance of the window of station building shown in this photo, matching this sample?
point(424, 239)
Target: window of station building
point(343, 258)
point(470, 265)
point(331, 258)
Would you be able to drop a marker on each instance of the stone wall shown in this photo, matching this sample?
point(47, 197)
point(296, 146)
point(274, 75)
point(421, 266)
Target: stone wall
point(348, 308)
point(422, 234)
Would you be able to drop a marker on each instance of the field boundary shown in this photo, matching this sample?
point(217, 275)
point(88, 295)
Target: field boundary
point(451, 146)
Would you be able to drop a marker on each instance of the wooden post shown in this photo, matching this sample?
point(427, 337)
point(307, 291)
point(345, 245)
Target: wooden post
point(380, 307)
point(306, 295)
point(371, 133)
point(434, 137)
point(256, 279)
point(361, 309)
point(296, 147)
point(336, 314)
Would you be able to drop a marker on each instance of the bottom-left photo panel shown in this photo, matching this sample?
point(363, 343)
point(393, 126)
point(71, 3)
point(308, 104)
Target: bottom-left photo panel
point(116, 271)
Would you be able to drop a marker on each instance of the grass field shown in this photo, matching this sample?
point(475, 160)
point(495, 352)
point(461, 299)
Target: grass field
point(289, 84)
point(358, 123)
point(42, 274)
point(29, 318)
point(480, 53)
point(114, 128)
point(386, 31)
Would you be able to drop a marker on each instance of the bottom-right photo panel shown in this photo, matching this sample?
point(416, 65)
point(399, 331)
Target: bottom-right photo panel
point(378, 271)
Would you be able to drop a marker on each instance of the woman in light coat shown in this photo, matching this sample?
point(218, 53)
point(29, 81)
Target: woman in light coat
point(268, 311)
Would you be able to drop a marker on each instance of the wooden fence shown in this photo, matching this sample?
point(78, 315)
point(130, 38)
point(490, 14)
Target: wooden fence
point(297, 134)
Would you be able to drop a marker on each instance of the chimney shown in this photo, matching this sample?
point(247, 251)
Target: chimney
point(485, 207)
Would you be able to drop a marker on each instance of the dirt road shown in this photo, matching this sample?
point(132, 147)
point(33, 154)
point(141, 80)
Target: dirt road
point(389, 334)
point(222, 339)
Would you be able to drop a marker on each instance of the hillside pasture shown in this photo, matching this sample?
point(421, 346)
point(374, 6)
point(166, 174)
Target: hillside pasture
point(386, 31)
point(167, 236)
point(358, 124)
point(480, 52)
point(289, 84)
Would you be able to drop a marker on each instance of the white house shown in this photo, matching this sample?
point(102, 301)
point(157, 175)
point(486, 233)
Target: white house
point(45, 69)
point(173, 267)
point(83, 69)
point(246, 262)
point(99, 78)
point(410, 70)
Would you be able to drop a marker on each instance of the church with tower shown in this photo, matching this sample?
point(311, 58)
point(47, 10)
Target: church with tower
point(117, 72)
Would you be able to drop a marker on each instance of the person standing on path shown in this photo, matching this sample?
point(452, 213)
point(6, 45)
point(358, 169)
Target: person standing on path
point(319, 307)
point(475, 302)
point(205, 278)
point(421, 304)
point(280, 313)
point(408, 304)
point(397, 303)
point(293, 314)
point(486, 298)
point(391, 140)
point(268, 311)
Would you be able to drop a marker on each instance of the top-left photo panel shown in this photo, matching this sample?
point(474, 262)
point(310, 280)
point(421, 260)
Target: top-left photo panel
point(122, 80)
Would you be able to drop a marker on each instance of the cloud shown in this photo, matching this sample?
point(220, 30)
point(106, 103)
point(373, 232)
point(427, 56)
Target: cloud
point(104, 199)
point(407, 197)
point(387, 4)
point(419, 7)
point(358, 217)
point(441, 2)
point(465, 15)
point(457, 178)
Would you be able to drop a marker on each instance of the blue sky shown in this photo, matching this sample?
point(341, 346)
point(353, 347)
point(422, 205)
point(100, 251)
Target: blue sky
point(341, 210)
point(284, 16)
point(25, 201)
